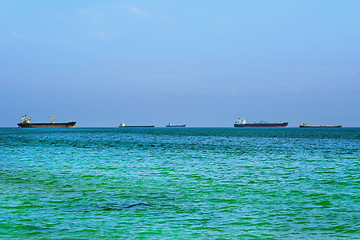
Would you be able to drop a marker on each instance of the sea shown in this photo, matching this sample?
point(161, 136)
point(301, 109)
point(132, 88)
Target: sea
point(180, 183)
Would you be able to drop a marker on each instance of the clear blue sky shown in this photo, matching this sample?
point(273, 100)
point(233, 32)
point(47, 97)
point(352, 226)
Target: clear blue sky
point(203, 63)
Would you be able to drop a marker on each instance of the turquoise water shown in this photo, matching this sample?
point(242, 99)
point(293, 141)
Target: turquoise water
point(205, 183)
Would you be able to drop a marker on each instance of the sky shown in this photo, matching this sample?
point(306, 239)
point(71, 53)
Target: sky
point(201, 63)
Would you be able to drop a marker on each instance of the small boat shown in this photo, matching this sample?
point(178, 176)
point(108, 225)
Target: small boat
point(305, 125)
point(176, 125)
point(242, 123)
point(25, 123)
point(136, 126)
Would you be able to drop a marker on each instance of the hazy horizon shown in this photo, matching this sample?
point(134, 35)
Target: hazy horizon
point(203, 64)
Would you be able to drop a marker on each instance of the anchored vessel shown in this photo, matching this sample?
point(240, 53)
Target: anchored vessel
point(176, 125)
point(242, 123)
point(25, 123)
point(137, 126)
point(304, 125)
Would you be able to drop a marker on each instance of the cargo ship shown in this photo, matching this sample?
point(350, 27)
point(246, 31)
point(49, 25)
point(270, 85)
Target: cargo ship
point(176, 125)
point(304, 125)
point(25, 123)
point(242, 123)
point(136, 126)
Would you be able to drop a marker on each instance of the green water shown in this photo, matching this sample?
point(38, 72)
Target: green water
point(190, 183)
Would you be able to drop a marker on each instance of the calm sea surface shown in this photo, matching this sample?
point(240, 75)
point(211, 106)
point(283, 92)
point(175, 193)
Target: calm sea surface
point(205, 183)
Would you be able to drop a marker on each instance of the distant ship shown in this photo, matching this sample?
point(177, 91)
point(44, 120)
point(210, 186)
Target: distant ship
point(176, 125)
point(25, 123)
point(304, 125)
point(242, 123)
point(136, 126)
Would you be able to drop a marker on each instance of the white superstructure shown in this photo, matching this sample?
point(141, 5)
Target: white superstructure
point(240, 121)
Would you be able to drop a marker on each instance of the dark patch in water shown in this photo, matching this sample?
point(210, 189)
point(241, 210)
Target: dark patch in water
point(115, 206)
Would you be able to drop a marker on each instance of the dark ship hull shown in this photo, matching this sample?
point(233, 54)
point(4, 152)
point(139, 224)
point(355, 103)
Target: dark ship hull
point(47, 125)
point(266, 125)
point(307, 126)
point(150, 126)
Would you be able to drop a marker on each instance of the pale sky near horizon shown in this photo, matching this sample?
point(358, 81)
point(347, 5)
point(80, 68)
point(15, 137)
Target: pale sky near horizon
point(203, 63)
